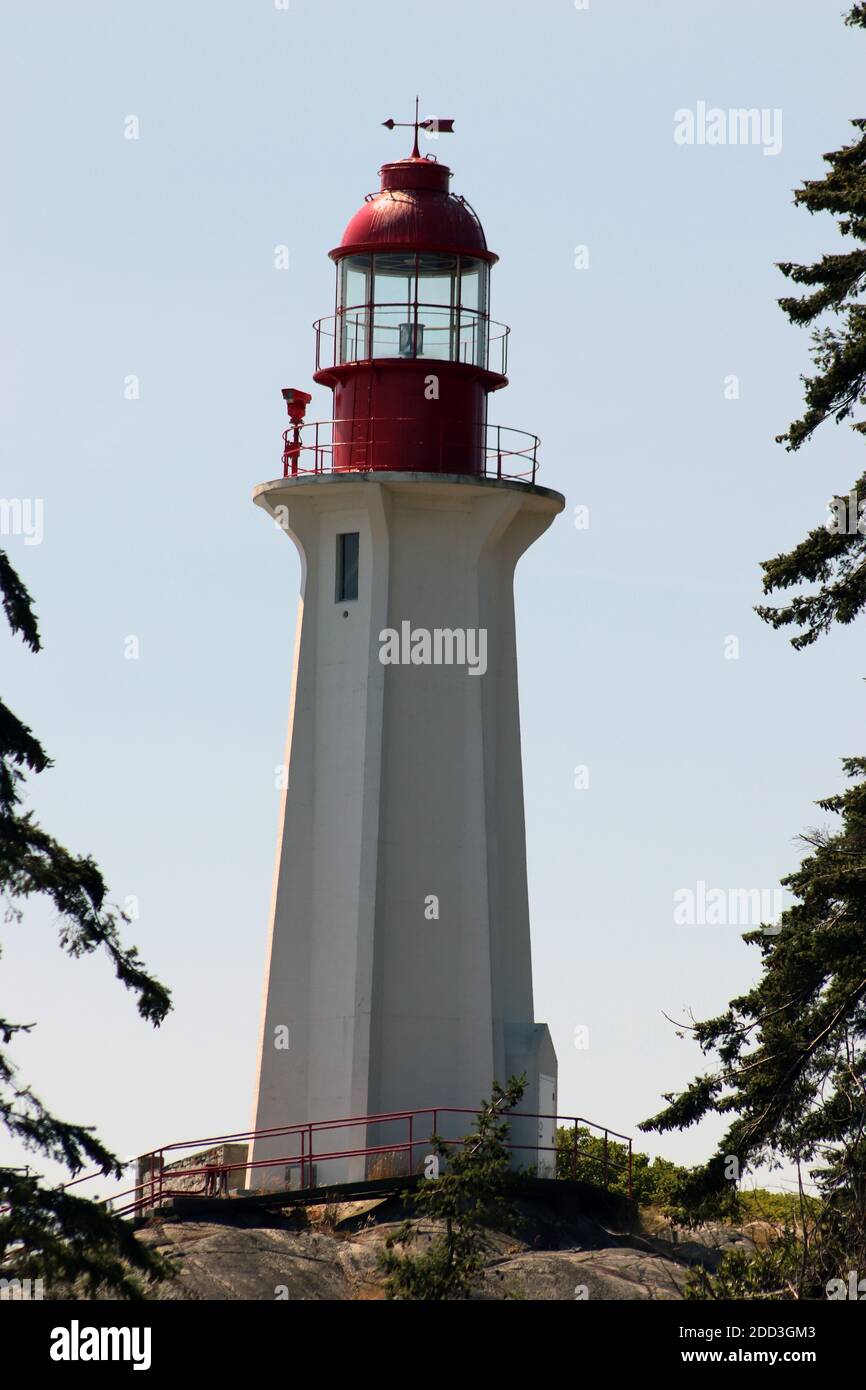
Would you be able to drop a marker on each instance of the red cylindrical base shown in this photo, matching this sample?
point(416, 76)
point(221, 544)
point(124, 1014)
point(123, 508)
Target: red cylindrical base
point(413, 416)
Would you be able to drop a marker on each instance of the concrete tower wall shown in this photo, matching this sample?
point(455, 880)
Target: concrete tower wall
point(404, 785)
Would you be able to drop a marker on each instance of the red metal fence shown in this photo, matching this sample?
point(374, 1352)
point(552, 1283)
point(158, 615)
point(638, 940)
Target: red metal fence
point(317, 447)
point(431, 332)
point(308, 1148)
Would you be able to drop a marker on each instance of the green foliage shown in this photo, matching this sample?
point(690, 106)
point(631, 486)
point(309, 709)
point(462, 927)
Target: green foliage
point(834, 560)
point(45, 1232)
point(74, 1245)
point(780, 1209)
point(791, 1063)
point(814, 1244)
point(656, 1182)
point(772, 1272)
point(469, 1197)
point(581, 1154)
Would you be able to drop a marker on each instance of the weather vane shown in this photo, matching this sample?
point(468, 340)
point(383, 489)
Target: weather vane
point(433, 125)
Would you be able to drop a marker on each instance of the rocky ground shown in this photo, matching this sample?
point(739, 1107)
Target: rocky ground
point(332, 1254)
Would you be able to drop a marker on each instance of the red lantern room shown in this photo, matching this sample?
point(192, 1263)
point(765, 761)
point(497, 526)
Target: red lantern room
point(411, 352)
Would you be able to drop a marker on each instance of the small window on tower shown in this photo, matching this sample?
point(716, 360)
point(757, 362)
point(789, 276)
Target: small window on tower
point(347, 566)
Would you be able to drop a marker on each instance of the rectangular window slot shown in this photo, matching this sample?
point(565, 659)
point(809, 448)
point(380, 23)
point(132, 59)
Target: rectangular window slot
point(347, 566)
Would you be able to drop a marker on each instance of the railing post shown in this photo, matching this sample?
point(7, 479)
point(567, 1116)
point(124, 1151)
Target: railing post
point(605, 1158)
point(310, 1154)
point(411, 1144)
point(574, 1154)
point(630, 1192)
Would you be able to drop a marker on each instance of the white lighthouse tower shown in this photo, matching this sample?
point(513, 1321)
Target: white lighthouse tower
point(399, 971)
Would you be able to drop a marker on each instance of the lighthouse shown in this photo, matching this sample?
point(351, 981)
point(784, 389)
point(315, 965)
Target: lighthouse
point(399, 971)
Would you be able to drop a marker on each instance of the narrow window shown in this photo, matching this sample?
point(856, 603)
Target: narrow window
point(347, 566)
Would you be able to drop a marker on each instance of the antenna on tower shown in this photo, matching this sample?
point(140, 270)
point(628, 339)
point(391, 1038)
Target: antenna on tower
point(433, 124)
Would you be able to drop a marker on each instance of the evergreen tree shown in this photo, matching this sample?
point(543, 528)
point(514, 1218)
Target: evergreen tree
point(46, 1232)
point(469, 1197)
point(832, 558)
point(791, 1051)
point(791, 1058)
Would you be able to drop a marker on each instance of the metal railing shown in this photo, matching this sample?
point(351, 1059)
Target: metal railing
point(304, 1154)
point(501, 452)
point(434, 332)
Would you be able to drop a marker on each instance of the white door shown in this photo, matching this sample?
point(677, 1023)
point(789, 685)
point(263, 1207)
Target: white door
point(546, 1126)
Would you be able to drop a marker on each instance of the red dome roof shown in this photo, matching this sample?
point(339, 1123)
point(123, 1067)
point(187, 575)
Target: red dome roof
point(414, 211)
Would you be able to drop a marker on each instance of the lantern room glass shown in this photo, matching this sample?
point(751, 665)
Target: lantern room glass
point(427, 304)
point(353, 307)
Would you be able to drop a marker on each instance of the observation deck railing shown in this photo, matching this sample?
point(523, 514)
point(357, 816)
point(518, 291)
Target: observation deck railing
point(305, 1149)
point(429, 332)
point(352, 447)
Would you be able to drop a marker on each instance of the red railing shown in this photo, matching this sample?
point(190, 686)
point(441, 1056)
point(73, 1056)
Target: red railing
point(304, 1154)
point(428, 332)
point(502, 452)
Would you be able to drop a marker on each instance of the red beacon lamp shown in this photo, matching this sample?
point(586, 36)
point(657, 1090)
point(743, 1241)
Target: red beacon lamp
point(410, 353)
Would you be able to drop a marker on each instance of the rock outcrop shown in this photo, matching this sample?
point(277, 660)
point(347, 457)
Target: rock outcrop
point(333, 1255)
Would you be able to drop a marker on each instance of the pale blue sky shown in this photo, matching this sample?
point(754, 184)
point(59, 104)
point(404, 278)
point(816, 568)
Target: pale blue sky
point(155, 257)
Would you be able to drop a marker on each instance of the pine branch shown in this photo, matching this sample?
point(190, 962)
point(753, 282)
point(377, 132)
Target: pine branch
point(17, 604)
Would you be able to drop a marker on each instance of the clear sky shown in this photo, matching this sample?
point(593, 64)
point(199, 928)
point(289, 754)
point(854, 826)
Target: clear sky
point(154, 258)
